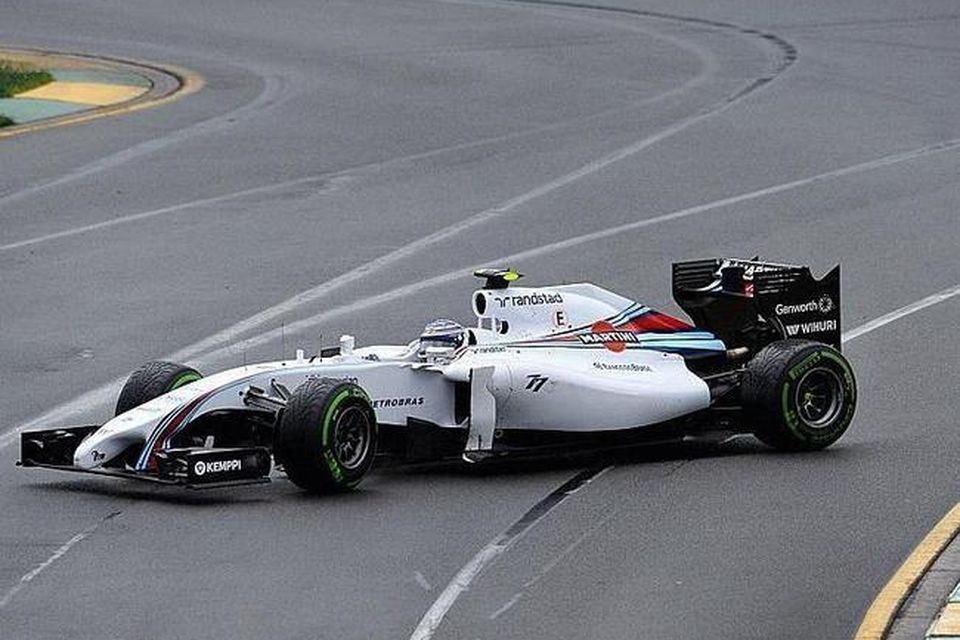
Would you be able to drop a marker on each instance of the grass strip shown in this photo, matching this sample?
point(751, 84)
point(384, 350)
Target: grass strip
point(16, 78)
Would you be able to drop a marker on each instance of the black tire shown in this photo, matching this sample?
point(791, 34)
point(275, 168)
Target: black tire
point(152, 380)
point(798, 395)
point(327, 436)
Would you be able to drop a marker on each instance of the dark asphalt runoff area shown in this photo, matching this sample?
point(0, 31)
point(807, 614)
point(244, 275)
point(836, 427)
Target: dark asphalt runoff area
point(346, 165)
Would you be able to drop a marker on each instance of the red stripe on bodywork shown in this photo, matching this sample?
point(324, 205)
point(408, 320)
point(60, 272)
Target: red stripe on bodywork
point(655, 322)
point(648, 322)
point(171, 428)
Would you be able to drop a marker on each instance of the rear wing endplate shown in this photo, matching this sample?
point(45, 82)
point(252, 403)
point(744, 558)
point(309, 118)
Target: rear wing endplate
point(751, 303)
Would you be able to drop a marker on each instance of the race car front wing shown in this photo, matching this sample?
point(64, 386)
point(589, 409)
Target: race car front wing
point(192, 468)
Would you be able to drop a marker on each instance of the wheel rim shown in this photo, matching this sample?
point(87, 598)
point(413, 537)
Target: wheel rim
point(819, 398)
point(351, 439)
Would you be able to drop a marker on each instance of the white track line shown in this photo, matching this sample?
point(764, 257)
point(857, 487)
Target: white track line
point(902, 312)
point(100, 396)
point(461, 582)
point(550, 566)
point(324, 186)
point(59, 553)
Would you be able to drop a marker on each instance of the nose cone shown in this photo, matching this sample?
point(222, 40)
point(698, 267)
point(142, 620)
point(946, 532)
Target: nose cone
point(85, 459)
point(98, 449)
point(88, 456)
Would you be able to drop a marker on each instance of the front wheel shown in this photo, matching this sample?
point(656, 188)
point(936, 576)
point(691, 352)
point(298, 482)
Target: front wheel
point(152, 380)
point(798, 395)
point(327, 436)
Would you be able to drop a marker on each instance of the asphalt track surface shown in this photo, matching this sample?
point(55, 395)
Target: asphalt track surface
point(364, 155)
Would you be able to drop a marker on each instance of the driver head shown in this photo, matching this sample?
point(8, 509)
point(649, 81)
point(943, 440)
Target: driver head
point(441, 336)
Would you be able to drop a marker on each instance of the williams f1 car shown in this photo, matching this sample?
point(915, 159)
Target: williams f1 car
point(544, 369)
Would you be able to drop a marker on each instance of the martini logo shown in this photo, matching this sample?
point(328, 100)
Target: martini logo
point(606, 334)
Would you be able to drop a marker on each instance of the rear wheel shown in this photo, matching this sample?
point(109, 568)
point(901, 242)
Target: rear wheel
point(799, 395)
point(152, 380)
point(327, 436)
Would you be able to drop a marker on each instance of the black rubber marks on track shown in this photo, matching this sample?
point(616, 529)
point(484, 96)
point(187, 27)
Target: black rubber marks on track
point(537, 512)
point(788, 51)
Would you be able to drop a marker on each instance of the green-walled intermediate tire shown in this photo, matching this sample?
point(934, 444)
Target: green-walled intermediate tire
point(152, 380)
point(327, 436)
point(798, 395)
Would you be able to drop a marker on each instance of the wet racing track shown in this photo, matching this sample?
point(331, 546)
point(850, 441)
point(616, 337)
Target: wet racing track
point(346, 165)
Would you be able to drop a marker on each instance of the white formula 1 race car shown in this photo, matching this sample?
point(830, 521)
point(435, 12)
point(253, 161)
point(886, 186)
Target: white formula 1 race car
point(545, 369)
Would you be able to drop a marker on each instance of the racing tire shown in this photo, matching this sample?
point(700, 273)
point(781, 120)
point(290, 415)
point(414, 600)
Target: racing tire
point(327, 436)
point(798, 395)
point(152, 380)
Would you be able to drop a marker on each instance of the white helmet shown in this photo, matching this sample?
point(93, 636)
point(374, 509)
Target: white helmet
point(441, 334)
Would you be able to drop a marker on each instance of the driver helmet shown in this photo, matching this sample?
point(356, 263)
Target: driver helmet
point(442, 333)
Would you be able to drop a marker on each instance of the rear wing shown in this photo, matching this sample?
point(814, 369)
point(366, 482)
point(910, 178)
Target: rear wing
point(749, 303)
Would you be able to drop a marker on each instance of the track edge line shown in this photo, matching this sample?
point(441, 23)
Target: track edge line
point(884, 608)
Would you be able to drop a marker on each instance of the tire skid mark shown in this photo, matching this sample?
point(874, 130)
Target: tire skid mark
point(461, 582)
point(550, 566)
point(61, 551)
point(902, 312)
point(788, 50)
